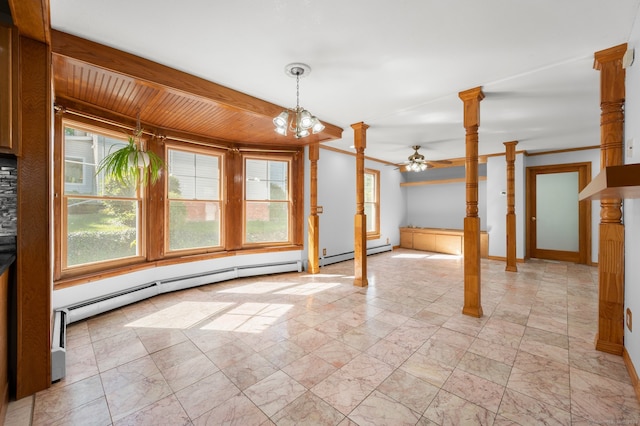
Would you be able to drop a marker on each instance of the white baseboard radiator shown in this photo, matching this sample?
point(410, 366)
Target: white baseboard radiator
point(89, 308)
point(336, 258)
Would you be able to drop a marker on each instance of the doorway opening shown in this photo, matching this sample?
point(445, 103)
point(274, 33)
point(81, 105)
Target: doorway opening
point(558, 225)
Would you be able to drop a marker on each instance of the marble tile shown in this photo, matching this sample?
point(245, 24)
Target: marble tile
point(118, 349)
point(191, 370)
point(125, 374)
point(427, 369)
point(53, 404)
point(80, 363)
point(309, 370)
point(342, 391)
point(494, 351)
point(550, 386)
point(442, 351)
point(523, 409)
point(603, 400)
point(337, 353)
point(237, 410)
point(409, 390)
point(309, 410)
point(390, 353)
point(449, 409)
point(280, 355)
point(358, 339)
point(165, 411)
point(137, 395)
point(224, 356)
point(155, 339)
point(367, 369)
point(411, 334)
point(326, 352)
point(206, 394)
point(378, 408)
point(482, 392)
point(310, 339)
point(486, 368)
point(249, 370)
point(19, 412)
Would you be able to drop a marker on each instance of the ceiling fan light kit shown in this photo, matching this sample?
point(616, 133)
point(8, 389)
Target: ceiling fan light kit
point(416, 162)
point(297, 120)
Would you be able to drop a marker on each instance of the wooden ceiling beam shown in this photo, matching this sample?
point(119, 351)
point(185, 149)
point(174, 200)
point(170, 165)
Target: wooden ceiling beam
point(32, 18)
point(86, 51)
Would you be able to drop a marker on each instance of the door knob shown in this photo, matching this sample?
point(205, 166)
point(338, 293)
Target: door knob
point(533, 218)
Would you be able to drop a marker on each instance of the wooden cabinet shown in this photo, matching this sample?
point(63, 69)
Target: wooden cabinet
point(9, 90)
point(450, 241)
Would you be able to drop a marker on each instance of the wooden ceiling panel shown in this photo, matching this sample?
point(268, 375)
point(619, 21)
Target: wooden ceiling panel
point(106, 79)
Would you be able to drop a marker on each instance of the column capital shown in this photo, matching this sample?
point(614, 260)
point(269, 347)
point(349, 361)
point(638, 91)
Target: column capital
point(609, 55)
point(471, 99)
point(360, 135)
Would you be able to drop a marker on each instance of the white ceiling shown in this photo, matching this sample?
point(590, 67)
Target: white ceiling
point(396, 65)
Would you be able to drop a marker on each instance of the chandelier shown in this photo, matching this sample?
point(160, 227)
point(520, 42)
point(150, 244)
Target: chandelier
point(416, 161)
point(297, 120)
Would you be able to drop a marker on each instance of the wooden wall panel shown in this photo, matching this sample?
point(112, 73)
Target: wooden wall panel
point(33, 268)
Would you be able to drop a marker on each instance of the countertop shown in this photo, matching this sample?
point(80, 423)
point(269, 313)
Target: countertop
point(6, 259)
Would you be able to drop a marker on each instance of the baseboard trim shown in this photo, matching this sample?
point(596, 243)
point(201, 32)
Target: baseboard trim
point(503, 259)
point(635, 382)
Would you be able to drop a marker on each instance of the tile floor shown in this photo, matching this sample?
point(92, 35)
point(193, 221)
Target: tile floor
point(298, 349)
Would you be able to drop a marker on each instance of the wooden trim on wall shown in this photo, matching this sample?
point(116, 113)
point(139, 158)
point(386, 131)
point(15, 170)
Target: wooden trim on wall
point(439, 181)
point(33, 266)
point(584, 211)
point(560, 151)
point(633, 375)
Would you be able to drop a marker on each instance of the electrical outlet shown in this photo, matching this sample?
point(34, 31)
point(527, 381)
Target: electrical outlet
point(629, 320)
point(324, 251)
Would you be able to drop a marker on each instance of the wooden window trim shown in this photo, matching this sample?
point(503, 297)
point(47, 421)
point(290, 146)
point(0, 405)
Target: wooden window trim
point(62, 271)
point(213, 152)
point(153, 203)
point(375, 234)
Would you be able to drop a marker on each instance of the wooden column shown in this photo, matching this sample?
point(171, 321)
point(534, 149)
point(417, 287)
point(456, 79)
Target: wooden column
point(33, 267)
point(472, 306)
point(314, 220)
point(611, 247)
point(511, 206)
point(360, 225)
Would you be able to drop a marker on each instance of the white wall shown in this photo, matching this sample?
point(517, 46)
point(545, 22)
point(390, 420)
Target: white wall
point(443, 205)
point(337, 196)
point(632, 206)
point(497, 205)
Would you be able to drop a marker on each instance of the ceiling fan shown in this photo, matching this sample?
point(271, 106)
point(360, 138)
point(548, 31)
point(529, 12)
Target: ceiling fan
point(417, 163)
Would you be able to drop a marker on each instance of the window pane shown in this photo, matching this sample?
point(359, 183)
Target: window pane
point(100, 230)
point(267, 180)
point(267, 222)
point(370, 211)
point(83, 153)
point(193, 176)
point(369, 188)
point(193, 224)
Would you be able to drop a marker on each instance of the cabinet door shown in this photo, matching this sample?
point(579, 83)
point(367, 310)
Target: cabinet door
point(406, 239)
point(8, 90)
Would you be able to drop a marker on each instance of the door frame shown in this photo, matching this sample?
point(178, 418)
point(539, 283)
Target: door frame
point(584, 214)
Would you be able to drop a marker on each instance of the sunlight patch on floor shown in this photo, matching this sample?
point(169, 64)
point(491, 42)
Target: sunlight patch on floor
point(260, 287)
point(181, 315)
point(249, 317)
point(308, 289)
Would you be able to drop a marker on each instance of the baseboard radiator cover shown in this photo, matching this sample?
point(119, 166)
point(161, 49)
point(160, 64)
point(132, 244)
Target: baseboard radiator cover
point(59, 346)
point(337, 258)
point(89, 308)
